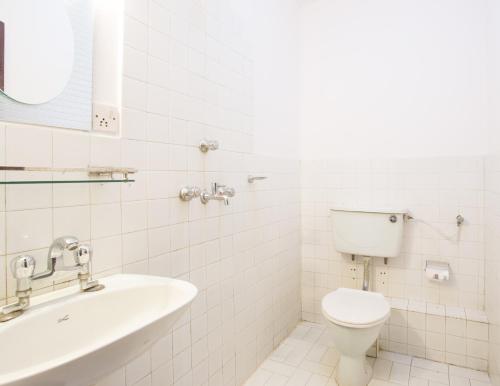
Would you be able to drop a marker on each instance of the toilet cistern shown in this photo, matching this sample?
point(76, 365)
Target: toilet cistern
point(374, 232)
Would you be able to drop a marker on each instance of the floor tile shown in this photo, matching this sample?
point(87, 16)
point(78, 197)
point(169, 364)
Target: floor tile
point(316, 353)
point(317, 368)
point(318, 380)
point(395, 357)
point(469, 373)
point(299, 378)
point(418, 382)
point(430, 365)
point(308, 358)
point(479, 383)
point(330, 358)
point(259, 378)
point(459, 381)
point(382, 369)
point(277, 380)
point(400, 374)
point(429, 375)
point(278, 368)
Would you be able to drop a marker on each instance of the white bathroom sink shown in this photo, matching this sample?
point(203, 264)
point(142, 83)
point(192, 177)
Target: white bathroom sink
point(68, 338)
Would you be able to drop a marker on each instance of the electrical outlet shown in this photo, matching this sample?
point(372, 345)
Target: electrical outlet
point(106, 119)
point(382, 274)
point(382, 280)
point(351, 270)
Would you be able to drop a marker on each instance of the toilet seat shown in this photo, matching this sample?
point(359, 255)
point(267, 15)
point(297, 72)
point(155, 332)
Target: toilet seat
point(354, 308)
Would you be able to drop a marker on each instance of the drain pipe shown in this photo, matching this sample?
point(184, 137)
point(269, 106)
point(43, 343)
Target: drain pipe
point(366, 274)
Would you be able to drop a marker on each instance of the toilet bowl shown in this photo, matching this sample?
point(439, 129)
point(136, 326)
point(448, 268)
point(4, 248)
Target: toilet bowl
point(355, 318)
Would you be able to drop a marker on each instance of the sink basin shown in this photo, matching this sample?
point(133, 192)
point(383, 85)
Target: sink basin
point(68, 338)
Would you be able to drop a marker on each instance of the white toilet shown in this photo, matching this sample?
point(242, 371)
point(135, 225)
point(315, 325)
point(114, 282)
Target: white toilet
point(356, 317)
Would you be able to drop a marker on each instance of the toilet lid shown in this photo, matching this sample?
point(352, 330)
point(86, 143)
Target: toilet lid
point(355, 308)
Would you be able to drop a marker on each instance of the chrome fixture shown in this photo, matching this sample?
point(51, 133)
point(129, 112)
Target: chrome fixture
point(219, 193)
point(206, 145)
point(187, 193)
point(82, 258)
point(23, 268)
point(366, 274)
point(252, 179)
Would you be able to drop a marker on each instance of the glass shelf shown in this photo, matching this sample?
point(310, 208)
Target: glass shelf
point(15, 175)
point(27, 182)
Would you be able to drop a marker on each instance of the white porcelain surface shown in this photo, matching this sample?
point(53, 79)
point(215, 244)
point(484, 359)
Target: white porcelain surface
point(72, 339)
point(355, 319)
point(355, 308)
point(368, 233)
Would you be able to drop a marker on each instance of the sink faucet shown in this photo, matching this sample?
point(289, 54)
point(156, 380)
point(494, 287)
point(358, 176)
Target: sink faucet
point(23, 268)
point(56, 253)
point(219, 192)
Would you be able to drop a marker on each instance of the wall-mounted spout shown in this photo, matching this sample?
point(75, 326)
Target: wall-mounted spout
point(219, 193)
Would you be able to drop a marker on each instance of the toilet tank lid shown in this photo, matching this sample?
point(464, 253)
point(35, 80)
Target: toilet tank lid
point(383, 210)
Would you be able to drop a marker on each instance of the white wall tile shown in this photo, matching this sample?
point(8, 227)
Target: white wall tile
point(28, 229)
point(36, 152)
point(73, 220)
point(106, 220)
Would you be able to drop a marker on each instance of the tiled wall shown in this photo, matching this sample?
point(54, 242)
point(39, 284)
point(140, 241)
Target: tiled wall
point(492, 256)
point(440, 333)
point(434, 190)
point(187, 75)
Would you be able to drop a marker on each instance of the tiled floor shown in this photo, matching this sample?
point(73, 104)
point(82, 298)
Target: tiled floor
point(307, 357)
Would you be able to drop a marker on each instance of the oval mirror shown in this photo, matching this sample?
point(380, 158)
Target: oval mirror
point(36, 49)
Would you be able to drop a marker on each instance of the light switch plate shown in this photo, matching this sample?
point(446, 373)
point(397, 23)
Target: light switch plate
point(106, 119)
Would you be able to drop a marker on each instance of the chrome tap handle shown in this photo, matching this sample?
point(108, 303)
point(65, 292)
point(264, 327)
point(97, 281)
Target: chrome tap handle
point(83, 255)
point(23, 268)
point(187, 193)
point(83, 258)
point(206, 145)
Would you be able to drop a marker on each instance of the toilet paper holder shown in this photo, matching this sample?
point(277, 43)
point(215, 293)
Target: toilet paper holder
point(437, 270)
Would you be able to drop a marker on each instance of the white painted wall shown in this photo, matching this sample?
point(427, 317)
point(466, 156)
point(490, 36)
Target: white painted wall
point(275, 38)
point(393, 78)
point(493, 23)
point(492, 193)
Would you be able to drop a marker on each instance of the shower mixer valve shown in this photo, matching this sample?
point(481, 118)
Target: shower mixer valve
point(218, 192)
